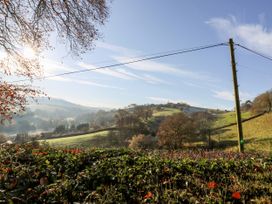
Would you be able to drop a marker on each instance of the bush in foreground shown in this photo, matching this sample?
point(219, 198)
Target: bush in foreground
point(48, 175)
point(142, 142)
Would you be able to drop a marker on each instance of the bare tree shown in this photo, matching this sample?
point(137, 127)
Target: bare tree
point(262, 103)
point(175, 130)
point(27, 24)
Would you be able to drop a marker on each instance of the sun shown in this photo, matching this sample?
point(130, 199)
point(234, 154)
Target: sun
point(3, 55)
point(29, 53)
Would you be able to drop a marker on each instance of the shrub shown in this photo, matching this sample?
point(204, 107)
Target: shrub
point(3, 138)
point(140, 142)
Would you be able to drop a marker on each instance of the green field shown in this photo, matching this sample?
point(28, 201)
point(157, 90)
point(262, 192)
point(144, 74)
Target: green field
point(166, 112)
point(257, 132)
point(229, 117)
point(81, 140)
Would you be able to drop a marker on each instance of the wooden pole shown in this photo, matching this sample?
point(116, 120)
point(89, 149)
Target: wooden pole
point(237, 100)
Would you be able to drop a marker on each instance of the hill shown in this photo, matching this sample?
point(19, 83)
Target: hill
point(58, 108)
point(46, 114)
point(257, 132)
point(86, 140)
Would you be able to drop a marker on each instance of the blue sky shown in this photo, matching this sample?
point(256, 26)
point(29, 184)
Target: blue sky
point(142, 27)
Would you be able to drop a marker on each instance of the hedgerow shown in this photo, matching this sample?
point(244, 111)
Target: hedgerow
point(53, 175)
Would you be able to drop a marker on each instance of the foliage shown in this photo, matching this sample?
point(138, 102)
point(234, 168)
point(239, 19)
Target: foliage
point(246, 106)
point(142, 142)
point(203, 123)
point(25, 29)
point(132, 121)
point(84, 127)
point(22, 138)
point(3, 138)
point(175, 130)
point(60, 129)
point(48, 175)
point(262, 103)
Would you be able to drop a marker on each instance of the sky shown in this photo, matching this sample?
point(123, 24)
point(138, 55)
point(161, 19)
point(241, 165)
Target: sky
point(141, 28)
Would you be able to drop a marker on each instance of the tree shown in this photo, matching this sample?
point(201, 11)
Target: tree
point(22, 138)
point(175, 130)
point(60, 129)
point(203, 121)
point(262, 102)
point(246, 106)
point(142, 142)
point(25, 28)
point(83, 127)
point(132, 122)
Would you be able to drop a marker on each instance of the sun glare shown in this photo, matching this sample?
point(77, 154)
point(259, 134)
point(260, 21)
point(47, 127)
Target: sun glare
point(29, 53)
point(2, 55)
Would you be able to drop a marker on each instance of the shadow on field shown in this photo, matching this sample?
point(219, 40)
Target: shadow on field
point(108, 141)
point(225, 144)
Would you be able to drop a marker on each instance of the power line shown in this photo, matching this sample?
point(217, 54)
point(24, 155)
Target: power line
point(255, 52)
point(130, 62)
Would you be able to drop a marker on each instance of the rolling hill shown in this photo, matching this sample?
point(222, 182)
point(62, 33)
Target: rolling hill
point(257, 132)
point(46, 114)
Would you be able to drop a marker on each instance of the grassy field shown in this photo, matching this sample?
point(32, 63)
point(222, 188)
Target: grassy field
point(257, 132)
point(166, 112)
point(229, 117)
point(81, 140)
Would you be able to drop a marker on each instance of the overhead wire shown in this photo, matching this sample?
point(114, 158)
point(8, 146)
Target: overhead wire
point(178, 52)
point(255, 52)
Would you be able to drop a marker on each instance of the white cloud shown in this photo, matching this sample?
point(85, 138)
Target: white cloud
point(157, 67)
point(225, 95)
point(124, 74)
point(118, 49)
point(126, 55)
point(153, 80)
point(109, 72)
point(229, 96)
point(84, 82)
point(255, 36)
point(52, 67)
point(59, 78)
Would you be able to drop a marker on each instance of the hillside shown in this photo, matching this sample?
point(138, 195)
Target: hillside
point(257, 132)
point(58, 108)
point(86, 140)
point(46, 114)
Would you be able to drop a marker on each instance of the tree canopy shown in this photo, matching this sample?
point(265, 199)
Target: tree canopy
point(175, 130)
point(25, 27)
point(262, 103)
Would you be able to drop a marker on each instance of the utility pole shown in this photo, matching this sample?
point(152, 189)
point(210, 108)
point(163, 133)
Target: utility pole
point(237, 100)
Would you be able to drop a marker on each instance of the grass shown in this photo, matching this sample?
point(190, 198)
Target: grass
point(81, 140)
point(166, 112)
point(257, 133)
point(229, 117)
